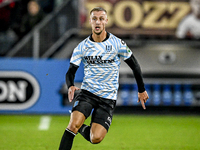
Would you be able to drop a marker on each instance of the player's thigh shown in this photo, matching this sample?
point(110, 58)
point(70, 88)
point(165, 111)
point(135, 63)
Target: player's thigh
point(98, 132)
point(103, 117)
point(80, 111)
point(76, 121)
point(82, 105)
point(101, 121)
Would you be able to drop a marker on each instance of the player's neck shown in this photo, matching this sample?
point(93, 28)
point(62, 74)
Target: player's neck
point(100, 37)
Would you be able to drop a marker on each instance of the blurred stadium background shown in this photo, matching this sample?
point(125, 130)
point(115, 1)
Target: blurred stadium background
point(34, 60)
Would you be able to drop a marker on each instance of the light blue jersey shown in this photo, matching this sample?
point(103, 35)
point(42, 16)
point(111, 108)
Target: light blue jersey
point(101, 65)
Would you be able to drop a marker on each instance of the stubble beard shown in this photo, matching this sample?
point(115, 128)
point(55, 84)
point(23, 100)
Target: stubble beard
point(98, 33)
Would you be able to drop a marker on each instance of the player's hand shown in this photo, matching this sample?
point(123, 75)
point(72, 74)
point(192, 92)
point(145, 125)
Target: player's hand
point(71, 91)
point(143, 97)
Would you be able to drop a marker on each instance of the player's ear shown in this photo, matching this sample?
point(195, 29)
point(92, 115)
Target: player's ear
point(89, 20)
point(106, 21)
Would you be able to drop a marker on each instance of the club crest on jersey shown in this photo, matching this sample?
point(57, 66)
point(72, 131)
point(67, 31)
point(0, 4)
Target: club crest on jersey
point(108, 48)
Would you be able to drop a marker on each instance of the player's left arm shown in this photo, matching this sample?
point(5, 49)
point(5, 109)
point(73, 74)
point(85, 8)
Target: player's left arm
point(142, 94)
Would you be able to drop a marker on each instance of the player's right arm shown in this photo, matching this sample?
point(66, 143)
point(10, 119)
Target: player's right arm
point(74, 65)
point(70, 75)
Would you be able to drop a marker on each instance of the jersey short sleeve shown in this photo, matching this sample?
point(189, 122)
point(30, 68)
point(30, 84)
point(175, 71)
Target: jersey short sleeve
point(124, 51)
point(77, 55)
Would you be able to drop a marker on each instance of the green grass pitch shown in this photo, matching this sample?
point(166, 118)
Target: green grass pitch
point(127, 132)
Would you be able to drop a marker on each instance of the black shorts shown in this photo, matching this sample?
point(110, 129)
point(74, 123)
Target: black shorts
point(102, 109)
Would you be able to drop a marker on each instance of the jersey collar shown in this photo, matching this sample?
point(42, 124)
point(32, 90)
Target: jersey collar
point(107, 36)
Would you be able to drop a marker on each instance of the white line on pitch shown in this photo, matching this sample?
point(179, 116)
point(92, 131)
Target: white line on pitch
point(44, 123)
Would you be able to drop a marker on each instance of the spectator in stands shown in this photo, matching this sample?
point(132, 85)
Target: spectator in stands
point(16, 15)
point(189, 27)
point(33, 17)
point(7, 35)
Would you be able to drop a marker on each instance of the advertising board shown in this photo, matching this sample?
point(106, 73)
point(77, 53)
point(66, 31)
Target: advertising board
point(33, 85)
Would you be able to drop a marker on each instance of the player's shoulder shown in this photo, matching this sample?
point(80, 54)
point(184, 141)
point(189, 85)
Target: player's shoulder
point(119, 40)
point(112, 36)
point(82, 43)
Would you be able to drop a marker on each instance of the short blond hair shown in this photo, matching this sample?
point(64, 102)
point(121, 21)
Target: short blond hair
point(98, 9)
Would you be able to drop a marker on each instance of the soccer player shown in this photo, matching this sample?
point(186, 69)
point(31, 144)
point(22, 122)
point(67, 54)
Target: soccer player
point(100, 54)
